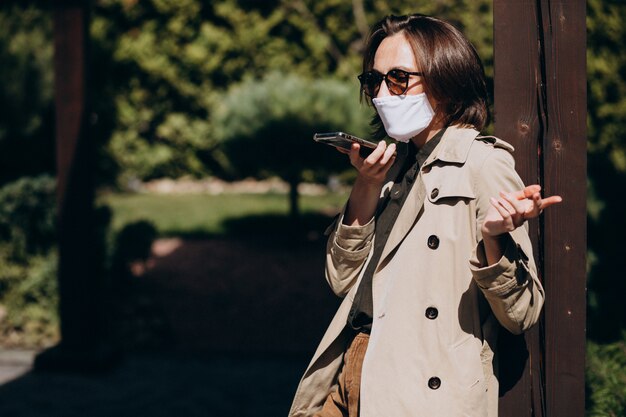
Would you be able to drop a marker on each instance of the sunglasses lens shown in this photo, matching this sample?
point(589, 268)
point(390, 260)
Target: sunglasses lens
point(397, 81)
point(370, 82)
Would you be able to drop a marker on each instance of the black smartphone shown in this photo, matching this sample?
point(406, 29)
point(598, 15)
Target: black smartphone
point(345, 141)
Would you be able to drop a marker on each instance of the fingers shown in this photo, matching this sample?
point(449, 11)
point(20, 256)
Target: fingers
point(530, 190)
point(523, 209)
point(534, 192)
point(376, 154)
point(504, 212)
point(527, 192)
point(516, 209)
point(355, 158)
point(527, 203)
point(389, 154)
point(512, 209)
point(518, 206)
point(549, 201)
point(376, 164)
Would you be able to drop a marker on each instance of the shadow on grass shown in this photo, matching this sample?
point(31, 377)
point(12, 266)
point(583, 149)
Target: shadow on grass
point(309, 227)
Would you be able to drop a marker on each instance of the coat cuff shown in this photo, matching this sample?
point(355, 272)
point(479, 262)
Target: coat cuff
point(353, 242)
point(502, 276)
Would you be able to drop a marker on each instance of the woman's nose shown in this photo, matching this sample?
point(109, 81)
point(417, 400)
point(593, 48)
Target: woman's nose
point(383, 90)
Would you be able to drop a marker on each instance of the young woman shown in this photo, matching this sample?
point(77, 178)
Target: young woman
point(431, 252)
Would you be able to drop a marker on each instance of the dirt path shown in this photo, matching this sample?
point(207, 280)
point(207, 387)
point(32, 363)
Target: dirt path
point(239, 295)
point(221, 327)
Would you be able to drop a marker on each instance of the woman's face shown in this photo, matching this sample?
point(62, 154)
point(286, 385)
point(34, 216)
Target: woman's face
point(395, 52)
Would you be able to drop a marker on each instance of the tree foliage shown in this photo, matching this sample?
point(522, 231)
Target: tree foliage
point(267, 125)
point(173, 60)
point(160, 65)
point(606, 379)
point(26, 136)
point(28, 215)
point(606, 67)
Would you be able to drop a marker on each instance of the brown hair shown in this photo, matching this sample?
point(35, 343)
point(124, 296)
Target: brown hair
point(453, 71)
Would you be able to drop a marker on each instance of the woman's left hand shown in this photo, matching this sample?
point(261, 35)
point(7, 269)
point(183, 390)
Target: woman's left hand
point(511, 210)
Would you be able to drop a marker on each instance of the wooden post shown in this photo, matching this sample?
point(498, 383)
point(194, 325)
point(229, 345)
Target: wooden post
point(79, 275)
point(540, 107)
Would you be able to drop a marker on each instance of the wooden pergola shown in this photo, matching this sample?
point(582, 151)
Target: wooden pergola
point(540, 107)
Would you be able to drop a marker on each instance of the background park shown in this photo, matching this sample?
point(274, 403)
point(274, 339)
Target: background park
point(211, 197)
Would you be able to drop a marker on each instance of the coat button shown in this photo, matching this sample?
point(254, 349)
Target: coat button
point(434, 193)
point(433, 242)
point(432, 313)
point(434, 383)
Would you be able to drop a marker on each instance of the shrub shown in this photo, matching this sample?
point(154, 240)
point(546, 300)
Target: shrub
point(28, 299)
point(28, 262)
point(28, 215)
point(606, 379)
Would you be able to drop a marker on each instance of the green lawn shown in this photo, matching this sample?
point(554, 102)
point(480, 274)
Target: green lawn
point(201, 214)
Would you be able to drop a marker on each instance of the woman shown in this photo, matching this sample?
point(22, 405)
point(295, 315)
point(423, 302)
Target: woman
point(430, 252)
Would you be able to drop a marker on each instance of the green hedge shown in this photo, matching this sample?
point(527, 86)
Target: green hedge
point(28, 299)
point(28, 262)
point(606, 379)
point(27, 215)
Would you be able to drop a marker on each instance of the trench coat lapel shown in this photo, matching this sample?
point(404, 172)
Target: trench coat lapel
point(407, 216)
point(453, 148)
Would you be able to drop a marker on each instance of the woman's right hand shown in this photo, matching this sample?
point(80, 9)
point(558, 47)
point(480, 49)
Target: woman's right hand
point(366, 190)
point(373, 169)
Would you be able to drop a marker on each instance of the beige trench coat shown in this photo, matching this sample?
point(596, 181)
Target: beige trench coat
point(409, 347)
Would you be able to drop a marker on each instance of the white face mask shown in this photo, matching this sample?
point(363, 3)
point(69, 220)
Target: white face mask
point(404, 117)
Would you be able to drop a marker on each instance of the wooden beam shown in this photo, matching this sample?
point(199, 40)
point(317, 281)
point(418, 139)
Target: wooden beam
point(74, 176)
point(564, 173)
point(70, 98)
point(540, 107)
point(516, 114)
point(80, 278)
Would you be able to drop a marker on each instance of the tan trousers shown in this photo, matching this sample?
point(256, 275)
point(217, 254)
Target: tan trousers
point(344, 401)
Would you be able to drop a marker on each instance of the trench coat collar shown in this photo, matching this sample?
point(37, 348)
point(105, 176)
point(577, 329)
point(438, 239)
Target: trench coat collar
point(454, 148)
point(454, 151)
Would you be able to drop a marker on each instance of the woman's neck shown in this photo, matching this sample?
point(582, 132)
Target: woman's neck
point(428, 133)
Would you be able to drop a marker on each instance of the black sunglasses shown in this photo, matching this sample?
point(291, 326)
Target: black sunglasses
point(397, 81)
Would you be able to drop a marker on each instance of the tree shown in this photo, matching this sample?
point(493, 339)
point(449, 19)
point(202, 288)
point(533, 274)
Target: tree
point(266, 126)
point(170, 60)
point(26, 119)
point(606, 68)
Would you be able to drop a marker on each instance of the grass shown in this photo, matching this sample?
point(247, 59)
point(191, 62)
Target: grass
point(203, 214)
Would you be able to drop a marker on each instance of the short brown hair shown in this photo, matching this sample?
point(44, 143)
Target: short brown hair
point(453, 71)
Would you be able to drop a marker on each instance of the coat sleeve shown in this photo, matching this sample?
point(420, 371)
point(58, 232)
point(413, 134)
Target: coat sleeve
point(348, 247)
point(346, 252)
point(511, 286)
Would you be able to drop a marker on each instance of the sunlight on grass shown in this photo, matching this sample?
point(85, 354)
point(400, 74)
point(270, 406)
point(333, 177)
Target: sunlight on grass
point(205, 214)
